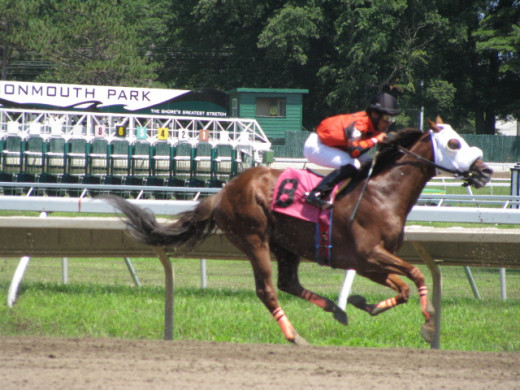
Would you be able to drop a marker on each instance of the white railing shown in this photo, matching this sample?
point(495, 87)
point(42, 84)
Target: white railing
point(50, 204)
point(503, 201)
point(243, 134)
point(196, 192)
point(484, 215)
point(465, 215)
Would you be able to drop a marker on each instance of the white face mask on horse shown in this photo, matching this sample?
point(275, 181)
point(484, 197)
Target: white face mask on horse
point(451, 151)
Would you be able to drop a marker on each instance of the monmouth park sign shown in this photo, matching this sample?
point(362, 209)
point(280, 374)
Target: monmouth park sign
point(113, 99)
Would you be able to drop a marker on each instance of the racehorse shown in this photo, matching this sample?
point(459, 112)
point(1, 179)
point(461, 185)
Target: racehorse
point(367, 243)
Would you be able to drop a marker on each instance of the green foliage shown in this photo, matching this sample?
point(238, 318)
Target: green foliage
point(500, 31)
point(288, 32)
point(94, 42)
point(16, 34)
point(441, 93)
point(457, 59)
point(498, 40)
point(382, 45)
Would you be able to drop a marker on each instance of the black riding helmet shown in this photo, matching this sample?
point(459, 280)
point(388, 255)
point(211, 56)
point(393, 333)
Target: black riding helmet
point(385, 103)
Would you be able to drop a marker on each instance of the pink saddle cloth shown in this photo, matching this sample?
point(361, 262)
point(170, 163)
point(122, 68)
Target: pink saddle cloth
point(289, 194)
point(289, 199)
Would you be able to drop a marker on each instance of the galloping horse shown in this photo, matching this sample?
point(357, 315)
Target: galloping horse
point(367, 243)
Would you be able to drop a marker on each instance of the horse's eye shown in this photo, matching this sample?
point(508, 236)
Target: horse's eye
point(454, 144)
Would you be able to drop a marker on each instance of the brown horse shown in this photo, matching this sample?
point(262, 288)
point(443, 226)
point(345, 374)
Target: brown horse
point(367, 243)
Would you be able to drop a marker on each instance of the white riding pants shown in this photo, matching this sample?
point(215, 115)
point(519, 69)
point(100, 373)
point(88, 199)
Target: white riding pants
point(318, 153)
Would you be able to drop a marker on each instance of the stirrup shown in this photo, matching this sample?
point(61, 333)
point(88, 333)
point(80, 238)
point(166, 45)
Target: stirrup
point(315, 200)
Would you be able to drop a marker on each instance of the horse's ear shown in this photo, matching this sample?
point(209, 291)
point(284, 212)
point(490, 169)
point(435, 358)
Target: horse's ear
point(433, 125)
point(438, 120)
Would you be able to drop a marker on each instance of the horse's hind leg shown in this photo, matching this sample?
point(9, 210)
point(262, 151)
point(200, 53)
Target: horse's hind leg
point(289, 282)
point(396, 283)
point(266, 292)
point(260, 259)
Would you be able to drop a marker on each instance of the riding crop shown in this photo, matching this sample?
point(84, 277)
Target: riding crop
point(356, 207)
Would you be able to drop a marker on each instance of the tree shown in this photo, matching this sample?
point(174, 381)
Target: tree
point(212, 43)
point(288, 34)
point(15, 34)
point(498, 41)
point(462, 78)
point(458, 59)
point(343, 52)
point(359, 48)
point(378, 45)
point(94, 42)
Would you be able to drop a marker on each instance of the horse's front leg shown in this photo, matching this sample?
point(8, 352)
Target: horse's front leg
point(289, 282)
point(388, 280)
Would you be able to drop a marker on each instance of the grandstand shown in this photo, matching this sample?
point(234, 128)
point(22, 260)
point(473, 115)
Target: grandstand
point(57, 146)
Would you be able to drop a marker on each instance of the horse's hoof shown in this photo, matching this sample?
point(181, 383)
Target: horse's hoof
point(430, 310)
point(361, 303)
point(428, 330)
point(357, 301)
point(299, 340)
point(340, 316)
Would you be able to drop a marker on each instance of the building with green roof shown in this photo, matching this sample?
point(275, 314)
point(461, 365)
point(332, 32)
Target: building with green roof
point(277, 111)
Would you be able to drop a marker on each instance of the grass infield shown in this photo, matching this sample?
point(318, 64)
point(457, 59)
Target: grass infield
point(101, 301)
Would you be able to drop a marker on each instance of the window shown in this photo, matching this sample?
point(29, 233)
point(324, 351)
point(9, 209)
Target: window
point(234, 107)
point(270, 107)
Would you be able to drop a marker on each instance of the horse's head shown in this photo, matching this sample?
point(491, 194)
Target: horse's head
point(453, 153)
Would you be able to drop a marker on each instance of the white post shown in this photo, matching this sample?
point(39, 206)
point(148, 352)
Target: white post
point(345, 289)
point(17, 278)
point(65, 270)
point(131, 269)
point(203, 274)
point(472, 282)
point(503, 292)
point(421, 111)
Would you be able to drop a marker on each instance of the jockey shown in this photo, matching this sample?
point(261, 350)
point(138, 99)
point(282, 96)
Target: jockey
point(340, 142)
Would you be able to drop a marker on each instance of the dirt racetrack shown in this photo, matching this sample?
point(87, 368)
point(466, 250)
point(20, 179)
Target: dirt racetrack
point(47, 363)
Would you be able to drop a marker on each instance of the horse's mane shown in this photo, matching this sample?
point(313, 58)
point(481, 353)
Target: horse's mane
point(388, 151)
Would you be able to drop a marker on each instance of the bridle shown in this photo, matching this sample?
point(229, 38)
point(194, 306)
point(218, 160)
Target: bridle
point(466, 176)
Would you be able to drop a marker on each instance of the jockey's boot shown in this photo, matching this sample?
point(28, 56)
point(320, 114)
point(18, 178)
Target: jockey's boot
point(318, 194)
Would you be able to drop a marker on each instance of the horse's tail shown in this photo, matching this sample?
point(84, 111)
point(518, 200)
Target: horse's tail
point(192, 226)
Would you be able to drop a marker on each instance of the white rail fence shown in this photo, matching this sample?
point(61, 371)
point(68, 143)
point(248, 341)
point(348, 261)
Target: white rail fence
point(506, 210)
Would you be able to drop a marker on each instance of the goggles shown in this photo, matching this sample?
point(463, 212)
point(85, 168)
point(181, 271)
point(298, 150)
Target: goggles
point(388, 119)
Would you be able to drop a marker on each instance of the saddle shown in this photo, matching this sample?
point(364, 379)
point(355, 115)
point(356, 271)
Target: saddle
point(289, 199)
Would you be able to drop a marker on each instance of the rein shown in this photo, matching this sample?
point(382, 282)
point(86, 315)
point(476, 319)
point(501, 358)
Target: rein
point(465, 175)
point(404, 151)
point(431, 163)
point(356, 207)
